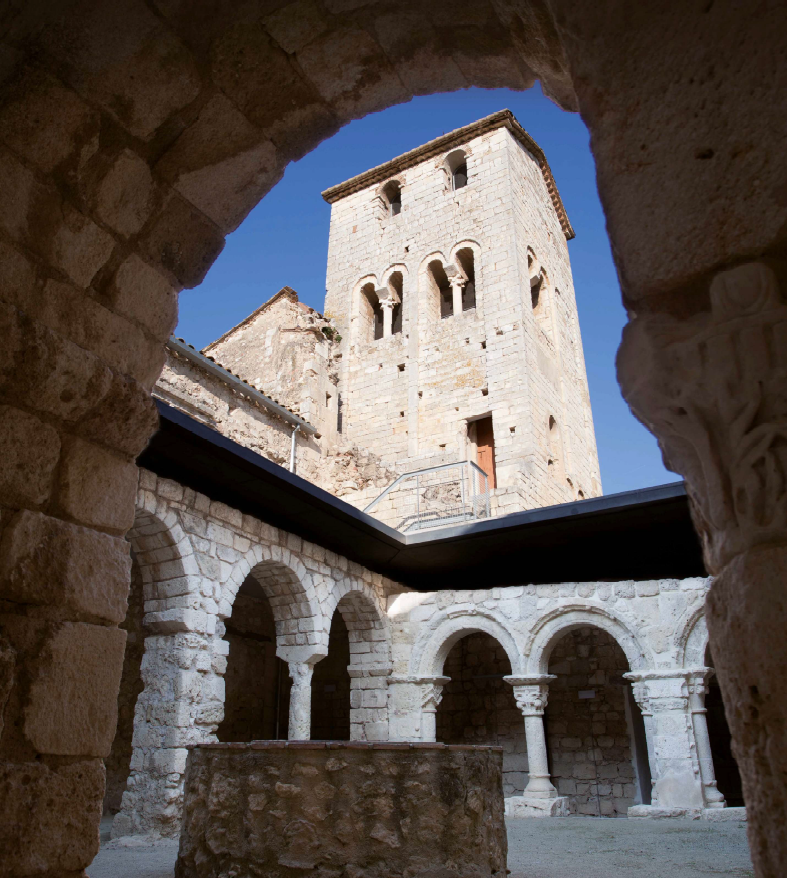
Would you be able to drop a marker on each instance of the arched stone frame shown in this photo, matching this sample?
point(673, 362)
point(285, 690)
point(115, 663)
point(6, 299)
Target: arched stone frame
point(433, 645)
point(407, 299)
point(164, 553)
point(428, 295)
point(473, 245)
point(370, 655)
point(692, 640)
point(359, 321)
point(288, 586)
point(551, 627)
point(451, 161)
point(381, 200)
point(558, 622)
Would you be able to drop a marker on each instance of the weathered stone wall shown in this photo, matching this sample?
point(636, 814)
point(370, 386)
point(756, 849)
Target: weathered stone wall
point(119, 759)
point(344, 470)
point(285, 349)
point(369, 811)
point(478, 706)
point(588, 736)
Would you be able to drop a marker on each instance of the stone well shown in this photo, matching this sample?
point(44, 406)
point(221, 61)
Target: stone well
point(343, 810)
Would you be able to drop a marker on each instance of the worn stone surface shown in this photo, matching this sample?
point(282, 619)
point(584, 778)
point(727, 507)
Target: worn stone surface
point(689, 166)
point(363, 810)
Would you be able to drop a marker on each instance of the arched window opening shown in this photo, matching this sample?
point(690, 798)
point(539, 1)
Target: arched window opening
point(331, 687)
point(725, 767)
point(371, 314)
point(118, 763)
point(257, 682)
point(595, 731)
point(441, 287)
point(456, 166)
point(393, 195)
point(466, 259)
point(478, 706)
point(396, 286)
point(536, 283)
point(539, 294)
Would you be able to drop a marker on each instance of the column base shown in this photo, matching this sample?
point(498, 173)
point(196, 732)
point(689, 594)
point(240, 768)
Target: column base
point(712, 815)
point(525, 806)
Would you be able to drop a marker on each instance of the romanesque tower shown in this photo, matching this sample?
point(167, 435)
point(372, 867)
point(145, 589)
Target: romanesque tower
point(450, 284)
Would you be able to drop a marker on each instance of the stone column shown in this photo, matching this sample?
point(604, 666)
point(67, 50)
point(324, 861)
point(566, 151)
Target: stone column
point(709, 383)
point(387, 306)
point(431, 696)
point(540, 798)
point(300, 700)
point(457, 285)
point(698, 688)
point(663, 697)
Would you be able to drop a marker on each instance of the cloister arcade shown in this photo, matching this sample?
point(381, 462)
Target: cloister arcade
point(134, 140)
point(243, 632)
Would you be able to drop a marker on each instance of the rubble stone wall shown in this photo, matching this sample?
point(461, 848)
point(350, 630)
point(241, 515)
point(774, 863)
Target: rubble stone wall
point(353, 474)
point(399, 811)
point(588, 735)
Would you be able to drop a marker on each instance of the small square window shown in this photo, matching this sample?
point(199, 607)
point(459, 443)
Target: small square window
point(400, 367)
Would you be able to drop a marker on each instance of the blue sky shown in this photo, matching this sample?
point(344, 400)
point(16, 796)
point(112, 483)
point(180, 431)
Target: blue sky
point(284, 241)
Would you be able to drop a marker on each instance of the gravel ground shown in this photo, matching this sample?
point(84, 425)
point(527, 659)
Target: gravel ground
point(575, 847)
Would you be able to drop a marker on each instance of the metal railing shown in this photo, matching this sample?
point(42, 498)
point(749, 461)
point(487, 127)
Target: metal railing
point(434, 497)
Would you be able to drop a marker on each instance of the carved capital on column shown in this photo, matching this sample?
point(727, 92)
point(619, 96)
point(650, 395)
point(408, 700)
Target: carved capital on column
point(657, 691)
point(711, 388)
point(531, 693)
point(432, 692)
point(697, 683)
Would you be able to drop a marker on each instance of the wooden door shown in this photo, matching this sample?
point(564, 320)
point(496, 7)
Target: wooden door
point(485, 443)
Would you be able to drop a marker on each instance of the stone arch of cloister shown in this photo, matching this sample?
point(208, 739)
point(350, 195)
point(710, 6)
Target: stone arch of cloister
point(292, 597)
point(692, 640)
point(555, 624)
point(432, 647)
point(112, 227)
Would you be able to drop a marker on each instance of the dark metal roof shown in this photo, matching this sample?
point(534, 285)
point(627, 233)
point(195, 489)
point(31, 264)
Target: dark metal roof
point(645, 534)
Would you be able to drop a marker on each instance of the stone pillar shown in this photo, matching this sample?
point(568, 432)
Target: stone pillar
point(431, 696)
point(540, 798)
point(457, 285)
point(663, 697)
point(698, 688)
point(387, 306)
point(300, 700)
point(369, 702)
point(710, 386)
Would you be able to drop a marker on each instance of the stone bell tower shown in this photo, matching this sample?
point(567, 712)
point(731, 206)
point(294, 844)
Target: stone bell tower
point(450, 283)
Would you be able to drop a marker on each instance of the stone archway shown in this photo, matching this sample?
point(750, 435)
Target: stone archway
point(356, 668)
point(117, 191)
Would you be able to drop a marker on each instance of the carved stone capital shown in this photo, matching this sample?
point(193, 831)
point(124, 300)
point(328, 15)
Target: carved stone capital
point(531, 693)
point(432, 692)
point(711, 388)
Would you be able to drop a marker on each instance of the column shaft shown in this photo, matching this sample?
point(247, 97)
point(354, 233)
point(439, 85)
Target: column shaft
point(300, 701)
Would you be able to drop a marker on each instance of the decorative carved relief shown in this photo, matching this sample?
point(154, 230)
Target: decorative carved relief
point(712, 389)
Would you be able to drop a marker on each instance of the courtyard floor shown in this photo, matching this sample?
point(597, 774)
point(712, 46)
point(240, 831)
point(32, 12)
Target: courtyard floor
point(544, 848)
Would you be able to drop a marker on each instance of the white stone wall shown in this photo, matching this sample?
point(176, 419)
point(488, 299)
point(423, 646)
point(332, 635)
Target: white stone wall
point(409, 397)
